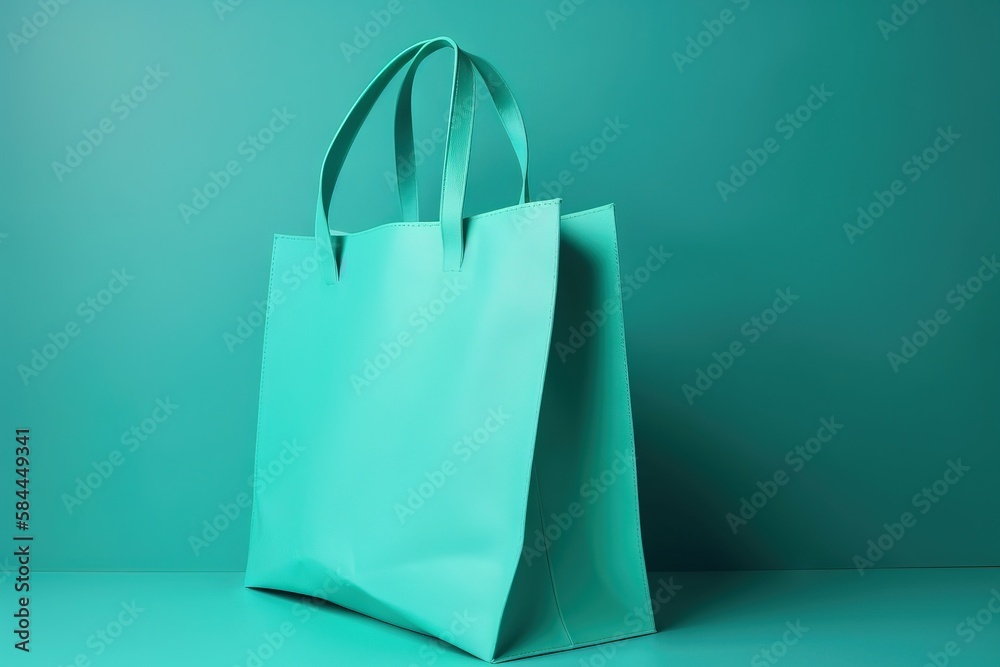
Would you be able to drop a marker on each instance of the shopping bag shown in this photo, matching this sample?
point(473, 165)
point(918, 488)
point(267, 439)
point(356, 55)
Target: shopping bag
point(444, 433)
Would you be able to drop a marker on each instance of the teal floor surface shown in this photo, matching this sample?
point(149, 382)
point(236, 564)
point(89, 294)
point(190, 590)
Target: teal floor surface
point(812, 618)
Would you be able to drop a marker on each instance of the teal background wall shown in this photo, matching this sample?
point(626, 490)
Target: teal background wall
point(163, 348)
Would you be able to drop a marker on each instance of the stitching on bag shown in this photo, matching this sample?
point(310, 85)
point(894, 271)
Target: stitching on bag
point(260, 394)
point(547, 202)
point(589, 211)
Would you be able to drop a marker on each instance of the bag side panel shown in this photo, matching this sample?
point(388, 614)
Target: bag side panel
point(585, 454)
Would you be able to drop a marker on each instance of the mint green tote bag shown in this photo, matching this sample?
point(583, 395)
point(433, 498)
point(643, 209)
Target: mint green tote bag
point(456, 392)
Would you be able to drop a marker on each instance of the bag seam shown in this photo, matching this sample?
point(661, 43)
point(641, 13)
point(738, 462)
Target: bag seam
point(540, 391)
point(548, 559)
point(260, 394)
point(628, 405)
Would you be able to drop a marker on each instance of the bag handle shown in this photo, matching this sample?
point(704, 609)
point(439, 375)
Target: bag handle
point(458, 148)
point(507, 108)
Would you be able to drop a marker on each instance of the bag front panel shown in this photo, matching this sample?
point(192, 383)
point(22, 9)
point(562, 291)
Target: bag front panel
point(411, 396)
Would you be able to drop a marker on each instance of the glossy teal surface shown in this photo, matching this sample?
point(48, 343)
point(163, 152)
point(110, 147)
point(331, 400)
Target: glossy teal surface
point(240, 102)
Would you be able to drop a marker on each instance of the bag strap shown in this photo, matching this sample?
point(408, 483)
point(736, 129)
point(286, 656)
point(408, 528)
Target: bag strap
point(510, 116)
point(458, 145)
